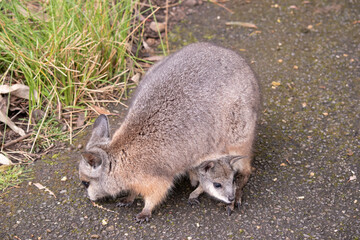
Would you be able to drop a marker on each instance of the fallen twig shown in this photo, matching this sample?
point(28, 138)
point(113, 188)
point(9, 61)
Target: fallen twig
point(242, 24)
point(103, 208)
point(17, 140)
point(220, 5)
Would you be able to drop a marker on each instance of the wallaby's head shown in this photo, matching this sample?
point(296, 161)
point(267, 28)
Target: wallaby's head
point(95, 160)
point(217, 177)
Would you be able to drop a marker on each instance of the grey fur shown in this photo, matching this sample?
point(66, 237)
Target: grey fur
point(199, 103)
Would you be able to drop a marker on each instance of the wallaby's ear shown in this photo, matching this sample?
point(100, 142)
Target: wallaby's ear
point(234, 159)
point(205, 166)
point(101, 132)
point(92, 159)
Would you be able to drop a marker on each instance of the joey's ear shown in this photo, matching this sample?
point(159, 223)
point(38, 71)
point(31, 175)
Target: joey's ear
point(92, 159)
point(234, 159)
point(101, 131)
point(205, 166)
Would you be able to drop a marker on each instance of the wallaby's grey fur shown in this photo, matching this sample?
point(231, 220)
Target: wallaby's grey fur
point(215, 177)
point(199, 103)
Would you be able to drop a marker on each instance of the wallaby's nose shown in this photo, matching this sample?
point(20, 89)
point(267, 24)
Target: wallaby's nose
point(231, 198)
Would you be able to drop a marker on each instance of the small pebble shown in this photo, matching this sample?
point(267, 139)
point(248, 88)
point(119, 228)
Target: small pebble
point(110, 228)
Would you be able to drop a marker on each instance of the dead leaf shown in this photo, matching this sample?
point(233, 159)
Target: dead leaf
point(352, 178)
point(157, 26)
point(5, 119)
point(37, 114)
point(136, 78)
point(33, 10)
point(330, 8)
point(4, 160)
point(293, 7)
point(101, 110)
point(155, 58)
point(274, 84)
point(81, 119)
point(150, 41)
point(349, 152)
point(3, 103)
point(41, 187)
point(242, 24)
point(19, 90)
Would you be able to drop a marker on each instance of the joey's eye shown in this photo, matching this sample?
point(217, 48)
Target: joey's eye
point(86, 184)
point(234, 179)
point(217, 185)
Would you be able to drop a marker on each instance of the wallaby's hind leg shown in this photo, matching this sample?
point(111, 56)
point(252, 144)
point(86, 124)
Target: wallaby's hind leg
point(153, 193)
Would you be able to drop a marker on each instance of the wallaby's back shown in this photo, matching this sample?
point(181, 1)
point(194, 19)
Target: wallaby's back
point(193, 103)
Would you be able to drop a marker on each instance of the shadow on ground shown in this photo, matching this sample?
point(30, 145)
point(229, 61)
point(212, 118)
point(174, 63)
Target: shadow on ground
point(306, 54)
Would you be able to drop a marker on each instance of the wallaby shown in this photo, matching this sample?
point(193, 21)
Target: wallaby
point(215, 177)
point(199, 103)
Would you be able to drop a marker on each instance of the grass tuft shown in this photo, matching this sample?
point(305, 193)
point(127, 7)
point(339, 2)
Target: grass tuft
point(11, 176)
point(65, 50)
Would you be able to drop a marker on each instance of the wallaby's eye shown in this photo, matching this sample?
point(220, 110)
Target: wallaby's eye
point(86, 184)
point(234, 179)
point(217, 185)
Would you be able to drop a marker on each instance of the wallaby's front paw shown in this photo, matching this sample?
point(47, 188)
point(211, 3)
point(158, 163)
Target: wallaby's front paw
point(125, 202)
point(142, 217)
point(193, 201)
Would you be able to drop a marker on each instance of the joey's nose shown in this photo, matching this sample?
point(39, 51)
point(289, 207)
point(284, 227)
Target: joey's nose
point(231, 198)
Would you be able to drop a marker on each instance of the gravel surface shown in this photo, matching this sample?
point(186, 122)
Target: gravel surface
point(306, 184)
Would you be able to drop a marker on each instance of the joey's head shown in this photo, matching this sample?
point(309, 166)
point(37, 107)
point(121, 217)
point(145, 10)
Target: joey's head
point(94, 161)
point(217, 177)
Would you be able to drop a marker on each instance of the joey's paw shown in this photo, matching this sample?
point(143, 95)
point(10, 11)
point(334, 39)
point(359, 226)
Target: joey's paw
point(141, 217)
point(230, 208)
point(193, 201)
point(237, 203)
point(125, 202)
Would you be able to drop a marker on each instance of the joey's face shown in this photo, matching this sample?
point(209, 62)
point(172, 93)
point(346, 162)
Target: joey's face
point(221, 189)
point(218, 182)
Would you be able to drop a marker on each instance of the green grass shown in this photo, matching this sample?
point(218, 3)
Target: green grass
point(12, 175)
point(66, 49)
